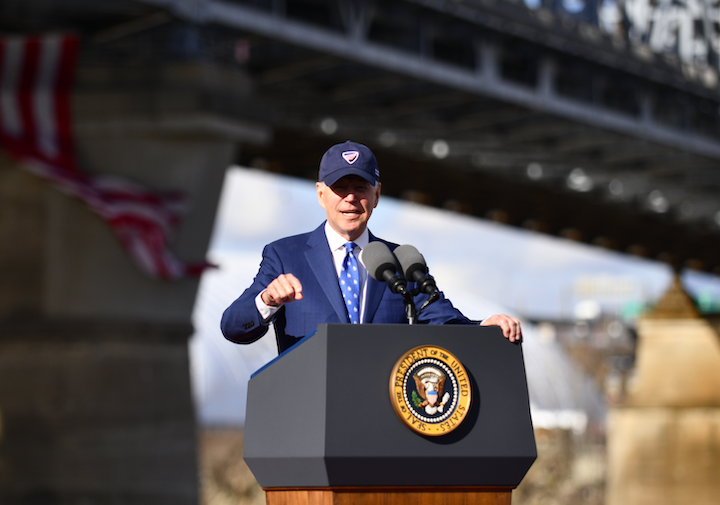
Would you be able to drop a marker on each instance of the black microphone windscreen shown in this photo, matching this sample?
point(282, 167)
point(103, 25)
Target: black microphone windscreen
point(378, 258)
point(410, 260)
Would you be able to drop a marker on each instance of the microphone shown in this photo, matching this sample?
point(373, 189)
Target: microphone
point(382, 266)
point(413, 266)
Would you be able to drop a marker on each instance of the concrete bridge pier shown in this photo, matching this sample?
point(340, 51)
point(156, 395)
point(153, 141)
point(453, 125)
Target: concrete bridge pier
point(95, 399)
point(664, 443)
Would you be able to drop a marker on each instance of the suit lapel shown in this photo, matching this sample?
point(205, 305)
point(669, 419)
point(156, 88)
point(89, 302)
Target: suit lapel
point(375, 291)
point(321, 263)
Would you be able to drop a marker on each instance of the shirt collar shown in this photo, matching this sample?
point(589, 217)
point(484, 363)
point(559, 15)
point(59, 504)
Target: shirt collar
point(337, 241)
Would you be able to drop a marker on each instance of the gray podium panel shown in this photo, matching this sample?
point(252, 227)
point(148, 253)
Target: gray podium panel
point(320, 415)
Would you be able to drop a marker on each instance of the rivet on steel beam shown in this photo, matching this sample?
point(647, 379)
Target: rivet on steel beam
point(498, 215)
point(571, 234)
point(534, 171)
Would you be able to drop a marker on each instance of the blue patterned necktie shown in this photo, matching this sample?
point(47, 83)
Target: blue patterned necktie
point(350, 283)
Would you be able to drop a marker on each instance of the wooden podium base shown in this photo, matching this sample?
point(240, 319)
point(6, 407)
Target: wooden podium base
point(388, 496)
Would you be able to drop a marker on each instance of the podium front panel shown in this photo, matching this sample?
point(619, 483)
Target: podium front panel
point(321, 415)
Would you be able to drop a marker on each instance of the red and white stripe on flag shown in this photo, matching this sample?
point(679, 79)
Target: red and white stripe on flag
point(35, 82)
point(36, 76)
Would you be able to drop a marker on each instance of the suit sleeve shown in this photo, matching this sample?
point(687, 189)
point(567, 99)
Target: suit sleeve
point(441, 311)
point(241, 322)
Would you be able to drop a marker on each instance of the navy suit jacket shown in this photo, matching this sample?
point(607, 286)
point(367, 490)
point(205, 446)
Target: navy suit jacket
point(308, 258)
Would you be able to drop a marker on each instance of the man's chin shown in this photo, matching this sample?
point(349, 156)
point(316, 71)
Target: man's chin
point(354, 222)
point(354, 230)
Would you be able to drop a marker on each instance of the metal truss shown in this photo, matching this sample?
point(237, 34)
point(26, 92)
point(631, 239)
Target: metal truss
point(605, 140)
point(484, 60)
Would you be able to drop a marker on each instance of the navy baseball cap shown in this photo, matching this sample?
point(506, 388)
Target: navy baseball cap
point(348, 158)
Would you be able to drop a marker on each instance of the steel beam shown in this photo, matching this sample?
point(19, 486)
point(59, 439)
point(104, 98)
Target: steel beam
point(354, 46)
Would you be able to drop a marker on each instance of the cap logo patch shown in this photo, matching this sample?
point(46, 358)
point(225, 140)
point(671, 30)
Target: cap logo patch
point(351, 156)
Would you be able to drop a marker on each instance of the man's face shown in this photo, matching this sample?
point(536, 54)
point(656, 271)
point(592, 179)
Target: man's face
point(348, 204)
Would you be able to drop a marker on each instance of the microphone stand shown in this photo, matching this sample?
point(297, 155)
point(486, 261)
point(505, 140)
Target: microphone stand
point(397, 284)
point(410, 310)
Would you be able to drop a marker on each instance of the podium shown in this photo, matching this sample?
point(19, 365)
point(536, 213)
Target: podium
point(321, 427)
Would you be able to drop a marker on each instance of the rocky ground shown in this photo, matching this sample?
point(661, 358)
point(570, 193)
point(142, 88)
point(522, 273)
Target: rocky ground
point(570, 470)
point(225, 479)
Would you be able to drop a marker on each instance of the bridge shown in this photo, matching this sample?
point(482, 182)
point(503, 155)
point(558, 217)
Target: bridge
point(577, 119)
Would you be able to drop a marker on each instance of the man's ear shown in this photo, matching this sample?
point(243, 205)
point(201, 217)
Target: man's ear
point(377, 194)
point(320, 187)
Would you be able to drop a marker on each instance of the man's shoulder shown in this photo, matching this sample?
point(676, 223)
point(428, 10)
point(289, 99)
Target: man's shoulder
point(391, 245)
point(295, 240)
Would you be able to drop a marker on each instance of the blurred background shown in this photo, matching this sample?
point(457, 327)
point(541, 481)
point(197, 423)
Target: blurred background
point(554, 160)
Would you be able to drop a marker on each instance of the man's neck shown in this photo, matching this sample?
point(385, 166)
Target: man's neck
point(335, 239)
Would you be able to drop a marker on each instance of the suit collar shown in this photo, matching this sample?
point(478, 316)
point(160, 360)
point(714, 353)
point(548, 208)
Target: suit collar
point(337, 241)
point(374, 292)
point(321, 263)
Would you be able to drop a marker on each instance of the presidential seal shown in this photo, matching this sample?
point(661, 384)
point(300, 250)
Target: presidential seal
point(430, 390)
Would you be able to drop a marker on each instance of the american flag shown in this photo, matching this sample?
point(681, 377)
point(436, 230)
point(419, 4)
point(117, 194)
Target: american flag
point(36, 76)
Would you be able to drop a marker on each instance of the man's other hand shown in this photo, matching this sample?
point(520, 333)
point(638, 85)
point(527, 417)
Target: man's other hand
point(286, 288)
point(509, 325)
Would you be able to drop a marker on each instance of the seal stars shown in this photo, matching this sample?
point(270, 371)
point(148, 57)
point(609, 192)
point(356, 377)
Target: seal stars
point(430, 390)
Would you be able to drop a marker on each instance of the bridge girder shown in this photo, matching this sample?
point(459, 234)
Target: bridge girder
point(606, 141)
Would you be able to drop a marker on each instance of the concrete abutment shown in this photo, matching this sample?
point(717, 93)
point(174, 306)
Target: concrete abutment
point(664, 442)
point(95, 398)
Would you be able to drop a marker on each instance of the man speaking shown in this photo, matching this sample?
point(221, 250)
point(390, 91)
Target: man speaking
point(316, 277)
